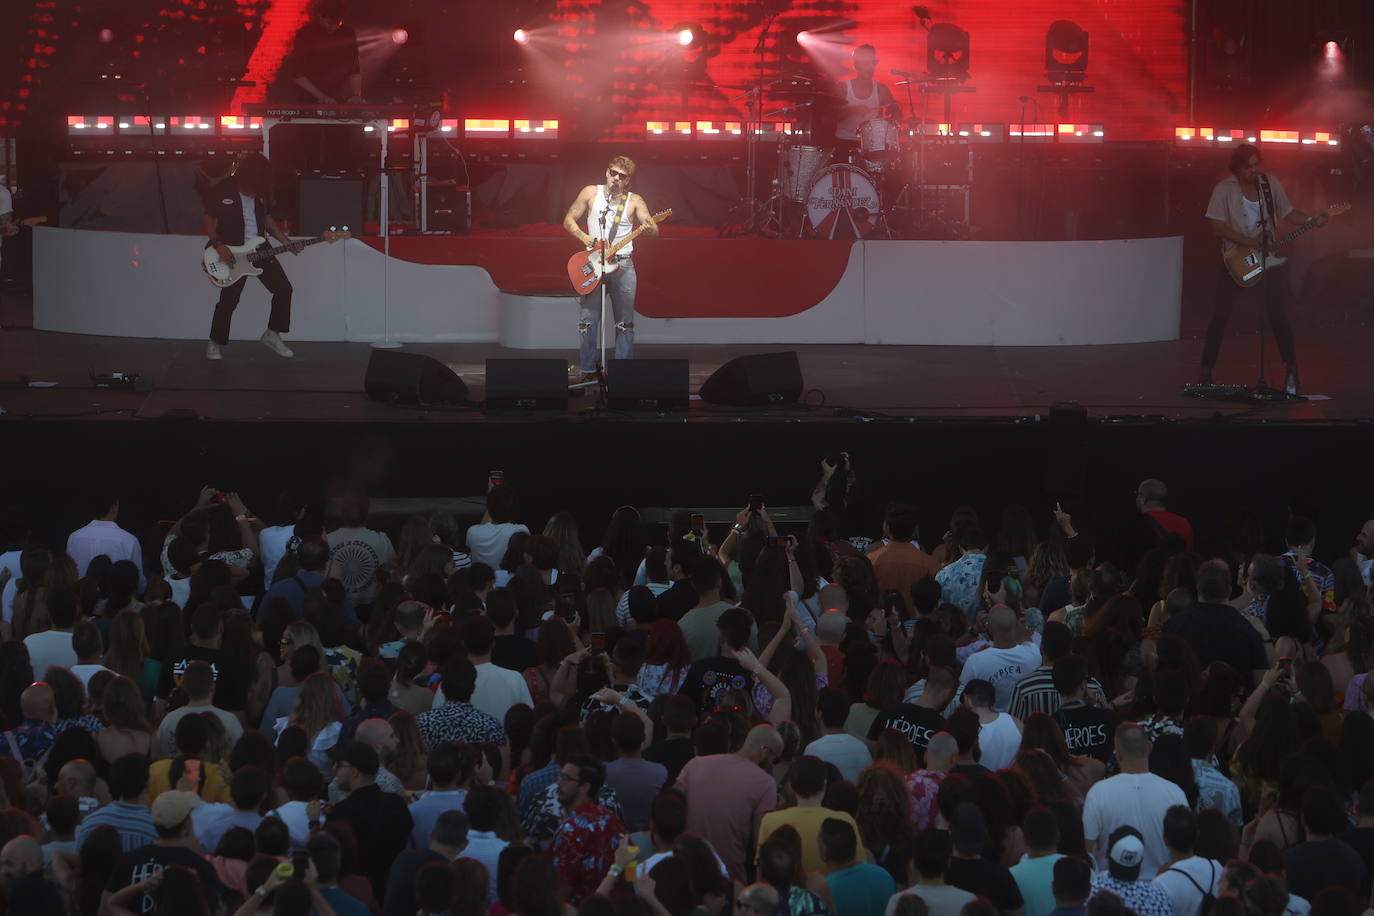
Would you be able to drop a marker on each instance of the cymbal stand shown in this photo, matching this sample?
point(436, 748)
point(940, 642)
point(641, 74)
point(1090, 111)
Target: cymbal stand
point(756, 216)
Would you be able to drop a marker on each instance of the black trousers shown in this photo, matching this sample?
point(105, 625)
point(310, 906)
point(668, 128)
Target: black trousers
point(1273, 291)
point(274, 278)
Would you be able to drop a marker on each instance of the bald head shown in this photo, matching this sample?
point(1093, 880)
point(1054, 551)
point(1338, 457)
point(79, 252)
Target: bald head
point(377, 733)
point(36, 702)
point(77, 777)
point(20, 856)
point(1002, 622)
point(1132, 745)
point(830, 628)
point(1151, 493)
point(941, 751)
point(763, 744)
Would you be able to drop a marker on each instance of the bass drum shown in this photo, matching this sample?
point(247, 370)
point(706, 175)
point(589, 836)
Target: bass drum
point(797, 167)
point(843, 203)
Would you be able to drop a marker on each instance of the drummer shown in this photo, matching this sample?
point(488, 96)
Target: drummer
point(864, 99)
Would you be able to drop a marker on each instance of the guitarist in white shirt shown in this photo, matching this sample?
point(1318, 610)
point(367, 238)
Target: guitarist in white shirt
point(1234, 215)
point(612, 212)
point(236, 210)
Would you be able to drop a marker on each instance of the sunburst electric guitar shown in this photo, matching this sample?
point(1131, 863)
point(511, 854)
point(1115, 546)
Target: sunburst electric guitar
point(247, 257)
point(587, 268)
point(1246, 265)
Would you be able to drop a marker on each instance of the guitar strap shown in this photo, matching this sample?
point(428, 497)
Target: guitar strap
point(1267, 204)
point(615, 223)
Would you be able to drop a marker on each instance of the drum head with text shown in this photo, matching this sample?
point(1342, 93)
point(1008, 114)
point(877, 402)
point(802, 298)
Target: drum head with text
point(843, 203)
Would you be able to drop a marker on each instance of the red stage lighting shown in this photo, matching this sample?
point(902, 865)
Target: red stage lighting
point(688, 35)
point(685, 37)
point(803, 38)
point(1333, 50)
point(106, 36)
point(521, 37)
point(399, 36)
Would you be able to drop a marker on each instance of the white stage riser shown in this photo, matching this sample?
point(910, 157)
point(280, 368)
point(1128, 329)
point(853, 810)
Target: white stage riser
point(892, 292)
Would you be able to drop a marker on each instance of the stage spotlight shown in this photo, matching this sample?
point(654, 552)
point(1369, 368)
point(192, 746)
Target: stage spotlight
point(688, 35)
point(947, 52)
point(399, 36)
point(1066, 52)
point(803, 38)
point(521, 37)
point(106, 36)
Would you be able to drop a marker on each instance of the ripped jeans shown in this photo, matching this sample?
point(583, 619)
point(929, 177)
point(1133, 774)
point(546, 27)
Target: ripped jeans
point(620, 296)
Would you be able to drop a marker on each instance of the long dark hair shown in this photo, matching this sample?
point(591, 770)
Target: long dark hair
point(624, 543)
point(253, 173)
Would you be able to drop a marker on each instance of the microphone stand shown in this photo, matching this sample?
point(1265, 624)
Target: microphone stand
point(602, 395)
point(1262, 390)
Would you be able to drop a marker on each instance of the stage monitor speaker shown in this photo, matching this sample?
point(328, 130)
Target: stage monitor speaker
point(412, 378)
point(764, 378)
point(527, 384)
point(648, 384)
point(326, 201)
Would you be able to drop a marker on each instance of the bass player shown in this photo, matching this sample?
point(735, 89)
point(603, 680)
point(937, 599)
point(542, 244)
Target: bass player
point(1235, 212)
point(612, 212)
point(235, 211)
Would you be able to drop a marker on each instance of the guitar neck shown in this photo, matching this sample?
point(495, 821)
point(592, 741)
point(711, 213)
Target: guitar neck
point(623, 242)
point(257, 256)
point(1296, 233)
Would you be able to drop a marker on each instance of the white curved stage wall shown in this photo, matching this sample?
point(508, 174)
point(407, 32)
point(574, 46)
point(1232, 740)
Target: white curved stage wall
point(891, 292)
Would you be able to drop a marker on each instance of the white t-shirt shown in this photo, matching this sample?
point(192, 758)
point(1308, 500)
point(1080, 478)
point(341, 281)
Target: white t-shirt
point(1137, 799)
point(103, 538)
point(487, 542)
point(999, 741)
point(50, 647)
point(250, 217)
point(1183, 893)
point(86, 672)
point(497, 690)
point(10, 561)
point(1002, 668)
point(357, 554)
point(849, 754)
point(272, 546)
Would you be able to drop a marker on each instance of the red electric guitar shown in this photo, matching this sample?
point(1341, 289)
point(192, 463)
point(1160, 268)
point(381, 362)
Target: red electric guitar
point(586, 268)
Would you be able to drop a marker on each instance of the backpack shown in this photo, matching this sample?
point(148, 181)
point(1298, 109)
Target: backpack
point(1207, 899)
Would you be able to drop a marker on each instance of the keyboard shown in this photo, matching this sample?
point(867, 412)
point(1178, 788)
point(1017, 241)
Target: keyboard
point(341, 112)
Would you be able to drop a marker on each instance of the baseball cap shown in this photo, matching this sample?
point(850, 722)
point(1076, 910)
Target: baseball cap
point(1125, 853)
point(172, 808)
point(357, 754)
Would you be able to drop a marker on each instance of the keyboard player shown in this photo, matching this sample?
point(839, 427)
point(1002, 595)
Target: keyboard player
point(323, 64)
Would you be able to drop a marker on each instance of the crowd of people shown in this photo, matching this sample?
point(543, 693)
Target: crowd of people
point(251, 715)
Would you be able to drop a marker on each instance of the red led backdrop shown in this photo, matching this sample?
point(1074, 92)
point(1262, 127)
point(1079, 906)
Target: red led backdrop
point(616, 69)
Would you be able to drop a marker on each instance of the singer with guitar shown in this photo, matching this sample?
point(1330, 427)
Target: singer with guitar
point(1242, 207)
point(235, 210)
point(612, 212)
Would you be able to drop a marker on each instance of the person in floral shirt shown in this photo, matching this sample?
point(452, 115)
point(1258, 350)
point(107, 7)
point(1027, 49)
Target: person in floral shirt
point(959, 580)
point(584, 845)
point(924, 785)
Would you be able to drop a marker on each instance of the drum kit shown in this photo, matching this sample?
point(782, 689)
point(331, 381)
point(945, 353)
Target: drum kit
point(863, 189)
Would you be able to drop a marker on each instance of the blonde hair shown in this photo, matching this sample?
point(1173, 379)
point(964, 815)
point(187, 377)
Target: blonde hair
point(562, 528)
point(128, 645)
point(317, 705)
point(624, 163)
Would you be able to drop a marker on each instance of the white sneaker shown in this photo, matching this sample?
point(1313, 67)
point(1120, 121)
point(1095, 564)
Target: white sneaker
point(272, 341)
point(212, 351)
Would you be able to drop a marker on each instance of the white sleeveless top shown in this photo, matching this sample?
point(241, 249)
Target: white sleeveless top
point(599, 206)
point(847, 128)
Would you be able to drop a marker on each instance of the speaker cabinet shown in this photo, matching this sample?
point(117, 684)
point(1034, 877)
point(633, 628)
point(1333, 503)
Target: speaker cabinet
point(410, 378)
point(329, 202)
point(764, 378)
point(647, 384)
point(527, 384)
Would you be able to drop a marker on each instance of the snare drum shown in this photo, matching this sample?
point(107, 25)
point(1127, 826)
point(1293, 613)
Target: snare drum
point(797, 168)
point(843, 203)
point(879, 139)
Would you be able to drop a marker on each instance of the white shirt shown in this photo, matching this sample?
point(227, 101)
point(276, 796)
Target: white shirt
point(849, 754)
point(487, 542)
point(600, 205)
point(86, 672)
point(498, 689)
point(6, 206)
point(297, 821)
point(272, 546)
point(1183, 894)
point(1137, 799)
point(99, 537)
point(250, 217)
point(622, 607)
point(485, 846)
point(50, 647)
point(358, 553)
point(10, 561)
point(1002, 668)
point(166, 732)
point(999, 740)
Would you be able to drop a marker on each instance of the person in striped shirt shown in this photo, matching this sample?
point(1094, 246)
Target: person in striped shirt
point(1035, 692)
